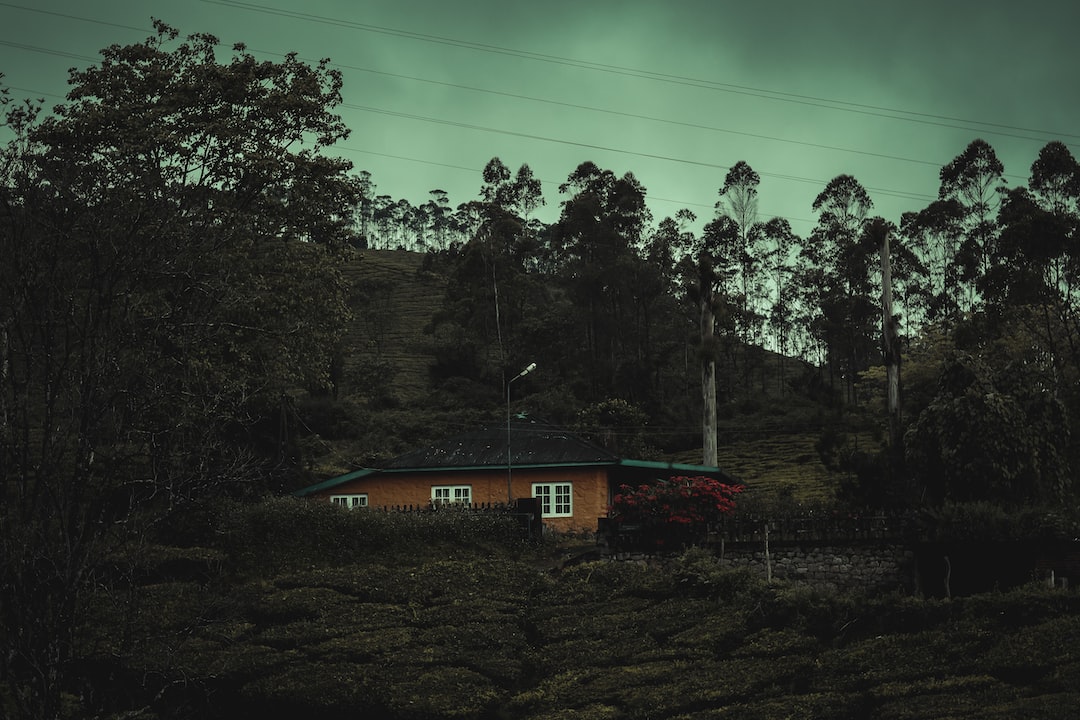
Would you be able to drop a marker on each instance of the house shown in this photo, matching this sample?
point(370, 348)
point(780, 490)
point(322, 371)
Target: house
point(573, 479)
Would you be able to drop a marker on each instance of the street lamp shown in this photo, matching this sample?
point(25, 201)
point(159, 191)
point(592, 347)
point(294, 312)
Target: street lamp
point(509, 484)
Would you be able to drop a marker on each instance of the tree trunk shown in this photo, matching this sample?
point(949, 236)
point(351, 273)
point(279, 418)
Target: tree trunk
point(890, 353)
point(708, 378)
point(890, 348)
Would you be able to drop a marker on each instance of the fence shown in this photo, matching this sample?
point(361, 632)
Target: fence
point(817, 529)
point(526, 511)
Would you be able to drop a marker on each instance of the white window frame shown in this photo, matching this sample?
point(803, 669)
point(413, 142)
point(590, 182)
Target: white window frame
point(357, 500)
point(451, 494)
point(556, 498)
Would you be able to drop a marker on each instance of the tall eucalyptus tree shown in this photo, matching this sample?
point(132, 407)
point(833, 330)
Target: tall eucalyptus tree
point(594, 244)
point(973, 180)
point(837, 268)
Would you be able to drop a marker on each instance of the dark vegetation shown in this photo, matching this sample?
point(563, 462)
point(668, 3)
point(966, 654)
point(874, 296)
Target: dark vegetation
point(303, 608)
point(202, 309)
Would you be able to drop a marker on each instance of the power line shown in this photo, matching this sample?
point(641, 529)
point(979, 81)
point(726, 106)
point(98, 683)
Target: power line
point(561, 103)
point(478, 171)
point(482, 90)
point(36, 93)
point(884, 191)
point(530, 136)
point(827, 103)
point(637, 116)
point(76, 17)
point(47, 51)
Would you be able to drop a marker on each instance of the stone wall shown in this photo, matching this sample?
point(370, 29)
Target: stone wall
point(878, 567)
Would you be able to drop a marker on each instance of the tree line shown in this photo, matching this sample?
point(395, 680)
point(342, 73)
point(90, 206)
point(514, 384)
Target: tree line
point(983, 291)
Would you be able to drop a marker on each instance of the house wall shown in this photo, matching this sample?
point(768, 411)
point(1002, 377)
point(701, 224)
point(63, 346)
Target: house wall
point(590, 490)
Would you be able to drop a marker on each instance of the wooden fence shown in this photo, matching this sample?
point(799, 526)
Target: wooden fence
point(526, 511)
point(447, 507)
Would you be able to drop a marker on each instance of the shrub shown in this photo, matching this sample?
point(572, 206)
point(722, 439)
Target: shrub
point(698, 573)
point(281, 531)
point(679, 501)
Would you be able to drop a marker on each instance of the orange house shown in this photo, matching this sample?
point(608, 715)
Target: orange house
point(573, 479)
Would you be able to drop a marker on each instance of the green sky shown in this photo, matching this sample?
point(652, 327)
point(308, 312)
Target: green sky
point(675, 92)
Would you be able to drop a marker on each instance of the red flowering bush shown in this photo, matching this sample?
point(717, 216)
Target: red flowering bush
point(680, 501)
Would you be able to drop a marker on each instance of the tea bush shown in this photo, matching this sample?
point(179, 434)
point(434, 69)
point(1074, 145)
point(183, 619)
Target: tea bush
point(276, 533)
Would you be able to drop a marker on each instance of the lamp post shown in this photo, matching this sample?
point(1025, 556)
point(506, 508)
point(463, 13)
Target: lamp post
point(509, 473)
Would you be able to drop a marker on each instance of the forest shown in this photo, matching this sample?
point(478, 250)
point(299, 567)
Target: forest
point(187, 332)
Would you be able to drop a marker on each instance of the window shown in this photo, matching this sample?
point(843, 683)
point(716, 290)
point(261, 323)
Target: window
point(446, 494)
point(556, 499)
point(350, 501)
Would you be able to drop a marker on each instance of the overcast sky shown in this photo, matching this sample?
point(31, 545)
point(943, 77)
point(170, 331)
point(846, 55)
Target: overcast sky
point(675, 92)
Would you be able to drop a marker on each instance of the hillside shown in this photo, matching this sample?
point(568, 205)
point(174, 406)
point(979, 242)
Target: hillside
point(392, 301)
point(766, 437)
point(310, 610)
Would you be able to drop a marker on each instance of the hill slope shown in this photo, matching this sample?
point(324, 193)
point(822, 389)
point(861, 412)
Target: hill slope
point(767, 438)
point(392, 302)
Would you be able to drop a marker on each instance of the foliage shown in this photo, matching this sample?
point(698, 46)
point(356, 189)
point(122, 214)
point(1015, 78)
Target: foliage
point(678, 501)
point(469, 630)
point(977, 442)
point(171, 238)
point(985, 521)
point(279, 532)
point(618, 426)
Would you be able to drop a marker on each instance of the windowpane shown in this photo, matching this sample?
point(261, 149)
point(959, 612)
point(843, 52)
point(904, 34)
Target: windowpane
point(562, 499)
point(556, 499)
point(350, 501)
point(543, 493)
point(451, 494)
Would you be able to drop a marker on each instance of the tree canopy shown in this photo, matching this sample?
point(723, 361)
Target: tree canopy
point(170, 236)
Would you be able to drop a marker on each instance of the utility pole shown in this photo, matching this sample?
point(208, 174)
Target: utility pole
point(509, 458)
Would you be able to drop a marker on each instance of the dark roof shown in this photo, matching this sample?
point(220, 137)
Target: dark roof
point(532, 443)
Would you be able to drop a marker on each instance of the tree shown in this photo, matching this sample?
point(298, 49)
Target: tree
point(365, 207)
point(1055, 183)
point(382, 214)
point(436, 215)
point(715, 263)
point(492, 295)
point(934, 235)
point(781, 241)
point(972, 180)
point(837, 266)
point(980, 440)
point(594, 246)
point(738, 201)
point(171, 237)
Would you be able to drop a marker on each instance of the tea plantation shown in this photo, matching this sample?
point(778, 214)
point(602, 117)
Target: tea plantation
point(303, 609)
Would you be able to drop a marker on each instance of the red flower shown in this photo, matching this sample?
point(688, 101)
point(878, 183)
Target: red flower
point(680, 500)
